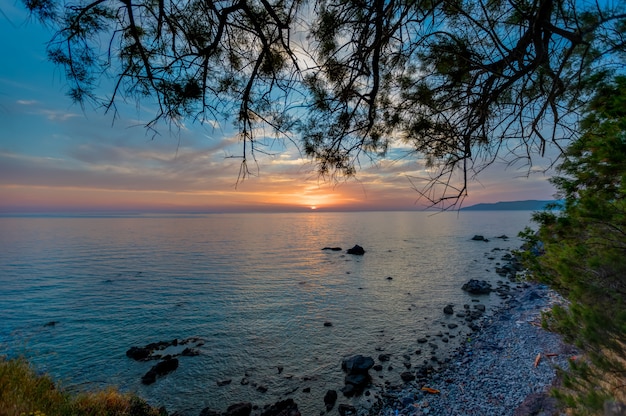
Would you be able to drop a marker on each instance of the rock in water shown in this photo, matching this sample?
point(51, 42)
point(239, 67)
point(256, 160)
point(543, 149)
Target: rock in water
point(239, 409)
point(357, 250)
point(477, 287)
point(330, 399)
point(357, 364)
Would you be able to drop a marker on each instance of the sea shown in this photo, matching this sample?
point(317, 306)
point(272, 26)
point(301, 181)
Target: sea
point(269, 309)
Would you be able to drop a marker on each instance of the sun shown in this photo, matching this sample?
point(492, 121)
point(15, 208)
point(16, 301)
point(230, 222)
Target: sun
point(313, 207)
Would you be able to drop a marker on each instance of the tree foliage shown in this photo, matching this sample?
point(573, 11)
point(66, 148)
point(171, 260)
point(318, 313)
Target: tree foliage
point(585, 249)
point(461, 82)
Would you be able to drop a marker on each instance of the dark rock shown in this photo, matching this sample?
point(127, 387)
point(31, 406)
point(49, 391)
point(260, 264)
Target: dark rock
point(51, 323)
point(448, 310)
point(358, 380)
point(357, 364)
point(422, 340)
point(261, 389)
point(166, 366)
point(244, 381)
point(389, 278)
point(328, 323)
point(282, 408)
point(138, 353)
point(477, 287)
point(503, 236)
point(160, 369)
point(384, 357)
point(346, 410)
point(452, 326)
point(349, 390)
point(223, 383)
point(306, 390)
point(190, 352)
point(378, 367)
point(280, 369)
point(478, 238)
point(330, 398)
point(239, 409)
point(149, 378)
point(357, 250)
point(480, 308)
point(407, 376)
point(332, 248)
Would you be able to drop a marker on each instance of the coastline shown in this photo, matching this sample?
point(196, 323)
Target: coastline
point(493, 372)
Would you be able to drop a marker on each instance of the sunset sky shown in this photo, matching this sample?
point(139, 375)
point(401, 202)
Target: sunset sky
point(57, 157)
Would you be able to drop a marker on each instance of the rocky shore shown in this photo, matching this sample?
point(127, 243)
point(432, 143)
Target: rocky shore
point(505, 363)
point(506, 368)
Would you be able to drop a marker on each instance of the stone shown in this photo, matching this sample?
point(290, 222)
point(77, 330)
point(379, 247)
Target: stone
point(477, 287)
point(239, 409)
point(478, 237)
point(356, 250)
point(407, 376)
point(222, 383)
point(138, 353)
point(357, 364)
point(332, 248)
point(327, 323)
point(384, 357)
point(330, 398)
point(448, 310)
point(452, 326)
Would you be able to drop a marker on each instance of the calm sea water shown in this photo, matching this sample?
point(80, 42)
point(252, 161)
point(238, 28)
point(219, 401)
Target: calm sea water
point(256, 288)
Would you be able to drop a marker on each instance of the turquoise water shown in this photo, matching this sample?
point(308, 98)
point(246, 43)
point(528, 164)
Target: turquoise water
point(256, 288)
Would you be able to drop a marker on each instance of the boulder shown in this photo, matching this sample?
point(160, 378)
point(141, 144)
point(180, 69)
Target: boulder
point(138, 353)
point(357, 250)
point(330, 398)
point(478, 237)
point(448, 310)
point(239, 409)
point(357, 377)
point(477, 287)
point(357, 364)
point(332, 248)
point(407, 376)
point(384, 357)
point(160, 369)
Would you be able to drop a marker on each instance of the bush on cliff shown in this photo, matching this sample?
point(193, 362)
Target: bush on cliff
point(584, 252)
point(25, 393)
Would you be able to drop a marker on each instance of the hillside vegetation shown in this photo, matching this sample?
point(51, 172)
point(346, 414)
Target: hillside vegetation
point(583, 253)
point(25, 393)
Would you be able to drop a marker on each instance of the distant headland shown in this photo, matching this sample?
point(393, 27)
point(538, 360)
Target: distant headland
point(528, 205)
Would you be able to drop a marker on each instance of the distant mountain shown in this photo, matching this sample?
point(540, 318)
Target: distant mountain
point(530, 205)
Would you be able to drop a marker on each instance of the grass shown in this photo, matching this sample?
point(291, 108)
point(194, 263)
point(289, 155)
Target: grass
point(25, 393)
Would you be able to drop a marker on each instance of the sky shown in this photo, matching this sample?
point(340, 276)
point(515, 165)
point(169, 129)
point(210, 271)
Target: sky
point(58, 157)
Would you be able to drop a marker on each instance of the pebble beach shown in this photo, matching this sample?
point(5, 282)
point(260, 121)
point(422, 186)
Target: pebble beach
point(506, 368)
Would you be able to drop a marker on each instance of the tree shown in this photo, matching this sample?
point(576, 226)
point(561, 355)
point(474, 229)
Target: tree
point(462, 82)
point(585, 250)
